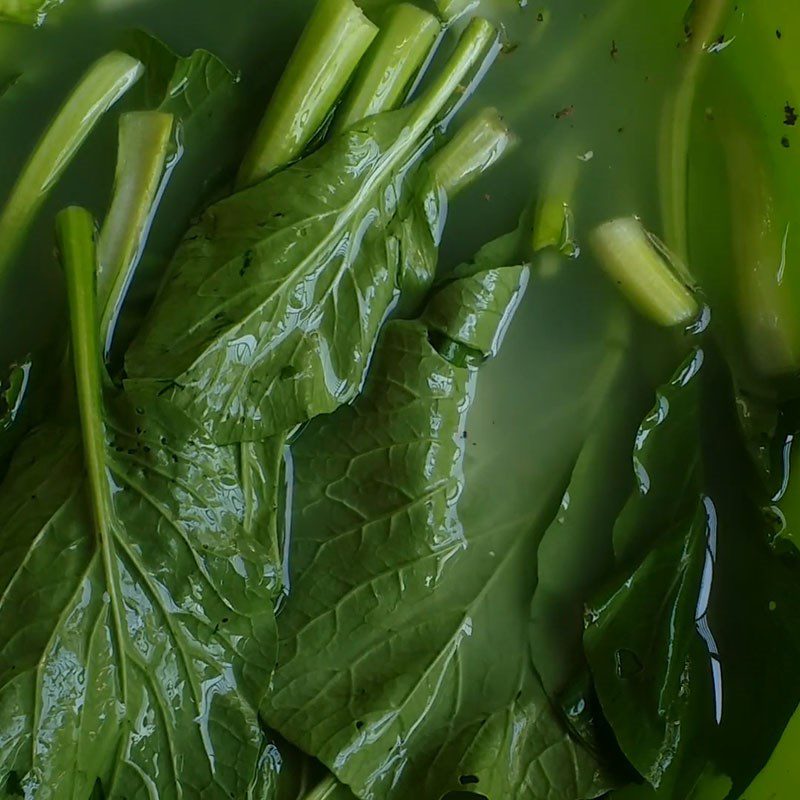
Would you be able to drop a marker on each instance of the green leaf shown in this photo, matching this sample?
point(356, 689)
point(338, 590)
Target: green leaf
point(289, 281)
point(173, 84)
point(271, 275)
point(197, 644)
point(397, 612)
point(671, 640)
point(137, 634)
point(576, 553)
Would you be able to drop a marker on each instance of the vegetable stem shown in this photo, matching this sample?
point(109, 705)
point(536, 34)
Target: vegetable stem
point(144, 143)
point(261, 472)
point(630, 259)
point(324, 789)
point(765, 299)
point(477, 145)
point(553, 221)
point(385, 75)
point(330, 48)
point(105, 82)
point(676, 124)
point(450, 10)
point(477, 44)
point(75, 233)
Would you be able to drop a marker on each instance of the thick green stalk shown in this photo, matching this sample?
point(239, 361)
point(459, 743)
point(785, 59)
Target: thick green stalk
point(391, 65)
point(471, 52)
point(144, 143)
point(75, 233)
point(633, 263)
point(553, 222)
point(105, 82)
point(676, 125)
point(450, 10)
point(331, 47)
point(766, 299)
point(477, 145)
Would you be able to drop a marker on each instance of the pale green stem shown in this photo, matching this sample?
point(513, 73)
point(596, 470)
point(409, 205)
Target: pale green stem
point(676, 125)
point(105, 82)
point(330, 48)
point(391, 65)
point(144, 143)
point(450, 10)
point(472, 49)
point(766, 300)
point(75, 233)
point(628, 255)
point(261, 466)
point(477, 145)
point(553, 222)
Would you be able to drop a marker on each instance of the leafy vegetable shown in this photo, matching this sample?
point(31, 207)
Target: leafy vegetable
point(105, 82)
point(146, 653)
point(395, 614)
point(272, 274)
point(671, 642)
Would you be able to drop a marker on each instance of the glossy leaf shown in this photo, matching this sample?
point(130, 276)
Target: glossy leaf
point(289, 282)
point(397, 615)
point(671, 642)
point(169, 704)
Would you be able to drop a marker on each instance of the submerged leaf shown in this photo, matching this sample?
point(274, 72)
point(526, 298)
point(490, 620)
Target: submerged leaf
point(671, 641)
point(140, 666)
point(397, 614)
point(289, 282)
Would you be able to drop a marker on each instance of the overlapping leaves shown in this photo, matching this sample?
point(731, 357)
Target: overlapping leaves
point(289, 282)
point(398, 614)
point(139, 667)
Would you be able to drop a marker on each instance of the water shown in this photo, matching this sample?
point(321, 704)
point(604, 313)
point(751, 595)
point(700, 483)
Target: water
point(578, 79)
